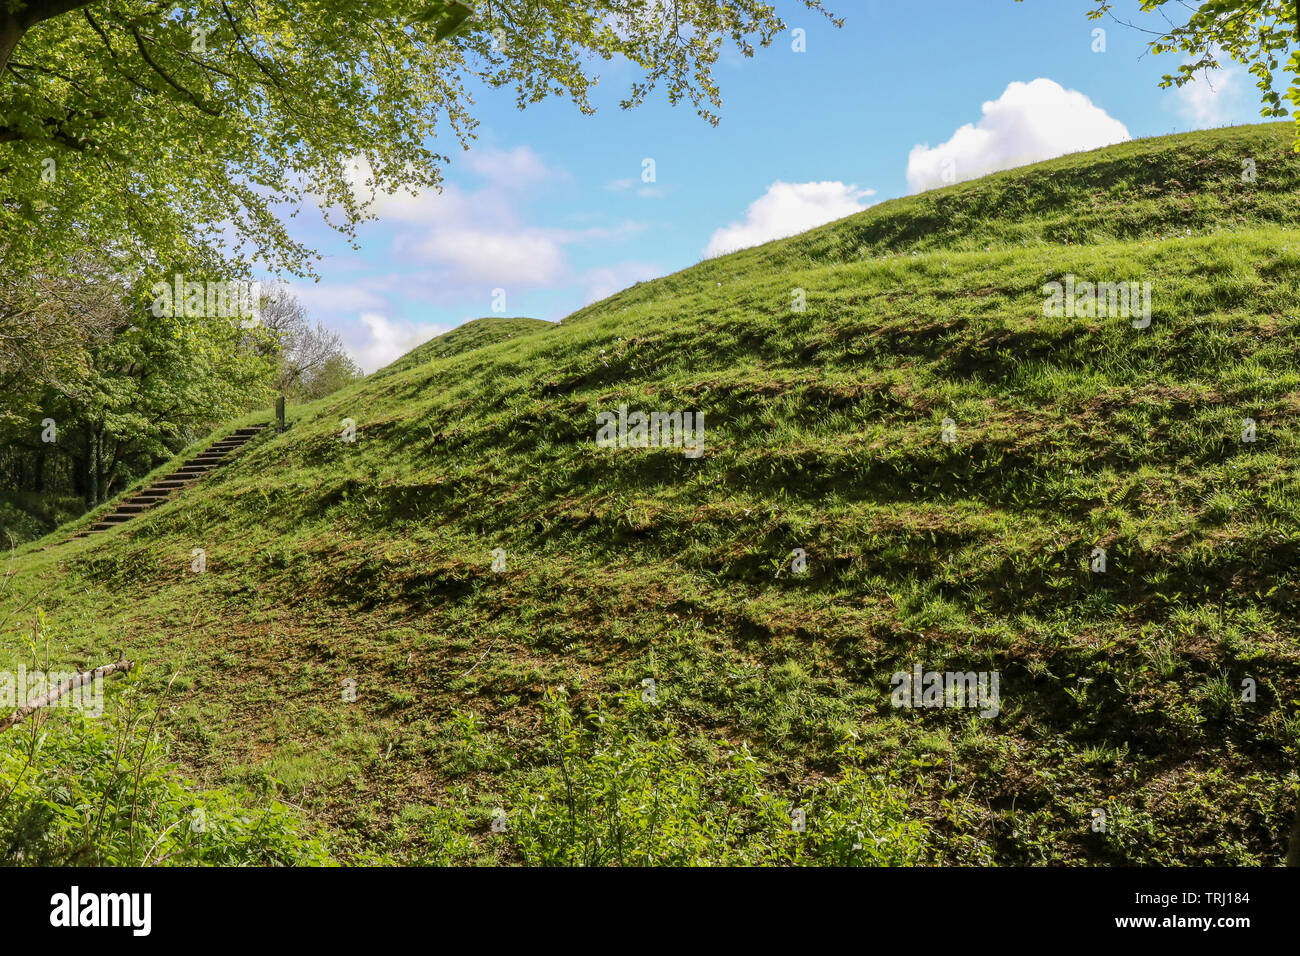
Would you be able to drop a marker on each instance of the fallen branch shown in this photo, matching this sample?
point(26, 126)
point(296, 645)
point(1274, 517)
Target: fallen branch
point(72, 683)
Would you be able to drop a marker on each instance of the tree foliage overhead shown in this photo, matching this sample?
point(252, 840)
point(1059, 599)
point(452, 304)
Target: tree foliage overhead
point(152, 128)
point(1262, 35)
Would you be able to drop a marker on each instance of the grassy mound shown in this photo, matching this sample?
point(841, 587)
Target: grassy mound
point(948, 458)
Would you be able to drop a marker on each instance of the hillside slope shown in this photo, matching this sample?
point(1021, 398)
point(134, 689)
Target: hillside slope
point(365, 570)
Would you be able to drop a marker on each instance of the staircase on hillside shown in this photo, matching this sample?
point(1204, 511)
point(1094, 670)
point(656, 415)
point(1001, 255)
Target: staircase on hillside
point(164, 488)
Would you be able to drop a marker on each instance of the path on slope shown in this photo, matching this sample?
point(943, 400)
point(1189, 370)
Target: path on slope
point(164, 488)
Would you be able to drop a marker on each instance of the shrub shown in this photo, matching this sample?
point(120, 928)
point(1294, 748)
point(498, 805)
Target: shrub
point(621, 790)
point(76, 790)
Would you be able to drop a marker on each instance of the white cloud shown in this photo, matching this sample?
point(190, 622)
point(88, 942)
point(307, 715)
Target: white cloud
point(424, 205)
point(787, 209)
point(387, 340)
point(515, 167)
point(504, 171)
point(601, 283)
point(1028, 123)
point(1214, 98)
point(336, 297)
point(444, 252)
point(470, 239)
point(503, 257)
point(644, 191)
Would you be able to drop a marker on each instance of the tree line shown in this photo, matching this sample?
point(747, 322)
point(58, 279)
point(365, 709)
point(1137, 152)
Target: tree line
point(97, 389)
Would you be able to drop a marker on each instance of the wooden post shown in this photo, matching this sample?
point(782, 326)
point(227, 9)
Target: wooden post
point(279, 413)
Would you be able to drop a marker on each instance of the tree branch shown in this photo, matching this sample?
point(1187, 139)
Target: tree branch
point(113, 56)
point(72, 683)
point(11, 134)
point(17, 21)
point(192, 96)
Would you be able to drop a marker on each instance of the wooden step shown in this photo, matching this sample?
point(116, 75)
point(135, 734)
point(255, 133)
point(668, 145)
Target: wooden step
point(166, 487)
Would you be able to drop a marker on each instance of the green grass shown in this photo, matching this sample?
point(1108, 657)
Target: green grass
point(372, 562)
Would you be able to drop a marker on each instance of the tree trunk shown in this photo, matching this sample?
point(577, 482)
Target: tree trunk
point(113, 468)
point(20, 17)
point(11, 31)
point(38, 485)
point(77, 470)
point(92, 473)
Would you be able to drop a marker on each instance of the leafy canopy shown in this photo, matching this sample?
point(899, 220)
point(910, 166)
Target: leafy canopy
point(1262, 35)
point(162, 131)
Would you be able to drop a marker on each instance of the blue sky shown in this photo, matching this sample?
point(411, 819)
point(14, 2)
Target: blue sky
point(550, 206)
